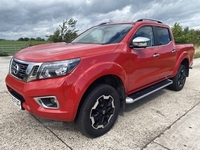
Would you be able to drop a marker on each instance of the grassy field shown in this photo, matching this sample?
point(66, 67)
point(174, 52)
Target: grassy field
point(8, 48)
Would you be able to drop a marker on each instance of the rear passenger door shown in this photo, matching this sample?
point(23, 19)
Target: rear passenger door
point(166, 51)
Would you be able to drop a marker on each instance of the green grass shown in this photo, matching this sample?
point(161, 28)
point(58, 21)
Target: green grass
point(24, 42)
point(9, 48)
point(4, 54)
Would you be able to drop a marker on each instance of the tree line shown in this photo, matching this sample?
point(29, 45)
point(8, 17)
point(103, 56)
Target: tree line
point(186, 35)
point(31, 39)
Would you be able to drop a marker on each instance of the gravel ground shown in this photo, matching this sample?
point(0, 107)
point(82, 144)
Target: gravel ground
point(165, 120)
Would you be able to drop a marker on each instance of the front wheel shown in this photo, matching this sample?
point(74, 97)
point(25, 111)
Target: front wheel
point(179, 79)
point(99, 111)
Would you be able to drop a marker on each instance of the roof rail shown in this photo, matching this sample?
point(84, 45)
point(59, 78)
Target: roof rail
point(146, 19)
point(103, 23)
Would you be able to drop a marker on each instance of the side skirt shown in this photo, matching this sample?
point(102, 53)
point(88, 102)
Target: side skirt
point(147, 91)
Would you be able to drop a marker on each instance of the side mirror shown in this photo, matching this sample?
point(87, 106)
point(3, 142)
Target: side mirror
point(140, 42)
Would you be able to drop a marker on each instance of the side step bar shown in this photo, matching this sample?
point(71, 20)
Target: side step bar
point(147, 91)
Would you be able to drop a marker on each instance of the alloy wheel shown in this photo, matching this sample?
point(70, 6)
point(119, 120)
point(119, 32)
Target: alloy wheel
point(181, 78)
point(102, 111)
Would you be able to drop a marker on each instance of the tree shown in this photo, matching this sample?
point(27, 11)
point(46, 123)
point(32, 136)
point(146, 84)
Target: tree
point(32, 39)
point(55, 37)
point(186, 35)
point(66, 32)
point(26, 39)
point(21, 39)
point(39, 39)
point(69, 36)
point(177, 30)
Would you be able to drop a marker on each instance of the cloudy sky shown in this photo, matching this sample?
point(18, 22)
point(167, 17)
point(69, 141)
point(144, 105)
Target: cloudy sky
point(37, 18)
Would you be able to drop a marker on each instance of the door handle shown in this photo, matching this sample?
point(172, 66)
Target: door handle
point(156, 55)
point(173, 51)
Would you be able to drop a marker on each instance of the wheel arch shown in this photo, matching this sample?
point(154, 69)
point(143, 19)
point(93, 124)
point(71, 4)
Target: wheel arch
point(182, 60)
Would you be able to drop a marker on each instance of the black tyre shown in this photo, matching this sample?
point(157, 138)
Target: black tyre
point(99, 111)
point(179, 79)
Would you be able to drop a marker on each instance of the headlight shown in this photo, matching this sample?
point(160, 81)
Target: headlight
point(57, 68)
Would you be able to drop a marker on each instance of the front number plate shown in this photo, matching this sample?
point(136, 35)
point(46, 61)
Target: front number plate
point(16, 101)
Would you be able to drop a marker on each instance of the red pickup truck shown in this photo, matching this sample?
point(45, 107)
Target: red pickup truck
point(91, 78)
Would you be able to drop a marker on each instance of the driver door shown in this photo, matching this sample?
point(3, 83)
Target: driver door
point(145, 65)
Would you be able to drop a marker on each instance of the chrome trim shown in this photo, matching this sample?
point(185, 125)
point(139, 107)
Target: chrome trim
point(130, 100)
point(39, 101)
point(16, 69)
point(173, 51)
point(156, 55)
point(29, 70)
point(154, 46)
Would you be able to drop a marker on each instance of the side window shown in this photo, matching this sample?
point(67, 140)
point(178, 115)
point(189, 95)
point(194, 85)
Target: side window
point(147, 32)
point(163, 35)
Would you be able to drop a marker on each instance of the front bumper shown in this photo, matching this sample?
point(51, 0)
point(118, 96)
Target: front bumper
point(58, 87)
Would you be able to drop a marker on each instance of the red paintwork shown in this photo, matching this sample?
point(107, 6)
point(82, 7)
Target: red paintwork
point(136, 69)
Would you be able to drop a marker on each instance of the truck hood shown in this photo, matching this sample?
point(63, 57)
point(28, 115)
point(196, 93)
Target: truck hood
point(62, 51)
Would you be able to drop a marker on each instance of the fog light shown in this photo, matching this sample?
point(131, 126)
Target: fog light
point(49, 102)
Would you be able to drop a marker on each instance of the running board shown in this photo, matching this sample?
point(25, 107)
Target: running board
point(147, 91)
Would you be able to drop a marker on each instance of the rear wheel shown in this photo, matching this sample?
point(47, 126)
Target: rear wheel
point(179, 79)
point(99, 111)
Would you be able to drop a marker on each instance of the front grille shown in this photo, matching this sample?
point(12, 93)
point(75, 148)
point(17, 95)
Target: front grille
point(18, 69)
point(23, 70)
point(35, 70)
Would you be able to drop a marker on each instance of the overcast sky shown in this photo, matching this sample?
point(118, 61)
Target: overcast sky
point(37, 18)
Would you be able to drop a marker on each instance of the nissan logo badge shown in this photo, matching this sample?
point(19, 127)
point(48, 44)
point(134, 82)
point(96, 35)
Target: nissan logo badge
point(16, 69)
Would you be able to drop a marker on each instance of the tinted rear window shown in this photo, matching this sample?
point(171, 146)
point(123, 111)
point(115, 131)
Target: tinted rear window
point(163, 35)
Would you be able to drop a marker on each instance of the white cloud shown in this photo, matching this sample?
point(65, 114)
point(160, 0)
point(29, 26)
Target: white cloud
point(32, 18)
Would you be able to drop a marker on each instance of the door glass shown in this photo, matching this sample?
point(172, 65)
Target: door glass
point(163, 36)
point(147, 32)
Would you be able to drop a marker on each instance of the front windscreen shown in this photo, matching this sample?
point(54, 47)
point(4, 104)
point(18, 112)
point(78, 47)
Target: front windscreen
point(105, 34)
